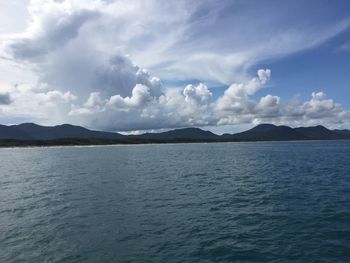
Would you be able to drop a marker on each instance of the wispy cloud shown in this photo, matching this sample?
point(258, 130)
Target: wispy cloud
point(344, 47)
point(87, 59)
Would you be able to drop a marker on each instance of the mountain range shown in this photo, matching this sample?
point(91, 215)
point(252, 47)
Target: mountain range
point(33, 134)
point(32, 131)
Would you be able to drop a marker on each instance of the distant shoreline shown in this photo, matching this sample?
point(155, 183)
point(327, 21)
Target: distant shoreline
point(34, 135)
point(50, 144)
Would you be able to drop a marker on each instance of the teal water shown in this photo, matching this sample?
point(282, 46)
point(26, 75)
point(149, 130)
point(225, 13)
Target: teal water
point(220, 202)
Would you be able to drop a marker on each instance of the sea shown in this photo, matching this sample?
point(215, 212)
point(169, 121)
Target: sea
point(213, 202)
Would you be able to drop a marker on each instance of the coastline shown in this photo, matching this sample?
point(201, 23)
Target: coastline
point(29, 146)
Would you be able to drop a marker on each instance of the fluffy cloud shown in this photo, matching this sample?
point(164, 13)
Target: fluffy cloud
point(37, 104)
point(59, 46)
point(264, 75)
point(77, 52)
point(268, 106)
point(199, 94)
point(48, 32)
point(193, 105)
point(317, 110)
point(144, 110)
point(236, 97)
point(236, 105)
point(139, 98)
point(174, 39)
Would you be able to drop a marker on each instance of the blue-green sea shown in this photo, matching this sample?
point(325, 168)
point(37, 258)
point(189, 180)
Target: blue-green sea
point(216, 202)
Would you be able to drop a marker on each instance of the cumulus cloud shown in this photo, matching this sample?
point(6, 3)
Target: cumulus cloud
point(199, 94)
point(139, 98)
point(268, 106)
point(192, 105)
point(59, 46)
point(236, 97)
point(175, 39)
point(48, 31)
point(144, 110)
point(237, 106)
point(37, 104)
point(317, 110)
point(264, 75)
point(78, 53)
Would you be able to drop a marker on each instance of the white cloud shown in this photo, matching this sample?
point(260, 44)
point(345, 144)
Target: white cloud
point(176, 40)
point(140, 97)
point(236, 97)
point(318, 109)
point(81, 73)
point(37, 104)
point(264, 75)
point(54, 96)
point(268, 106)
point(199, 94)
point(194, 105)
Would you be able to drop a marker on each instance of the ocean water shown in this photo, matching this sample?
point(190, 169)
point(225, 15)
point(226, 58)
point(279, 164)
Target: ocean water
point(219, 202)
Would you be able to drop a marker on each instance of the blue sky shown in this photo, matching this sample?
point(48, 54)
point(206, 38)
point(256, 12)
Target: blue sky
point(222, 65)
point(326, 67)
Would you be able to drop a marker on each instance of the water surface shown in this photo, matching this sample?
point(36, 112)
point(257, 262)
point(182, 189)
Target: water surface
point(220, 202)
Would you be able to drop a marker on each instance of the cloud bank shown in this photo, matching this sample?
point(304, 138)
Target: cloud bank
point(86, 56)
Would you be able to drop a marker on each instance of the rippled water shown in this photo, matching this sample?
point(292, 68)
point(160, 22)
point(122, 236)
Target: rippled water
point(220, 202)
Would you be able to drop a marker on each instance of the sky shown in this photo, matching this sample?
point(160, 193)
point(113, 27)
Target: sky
point(132, 66)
